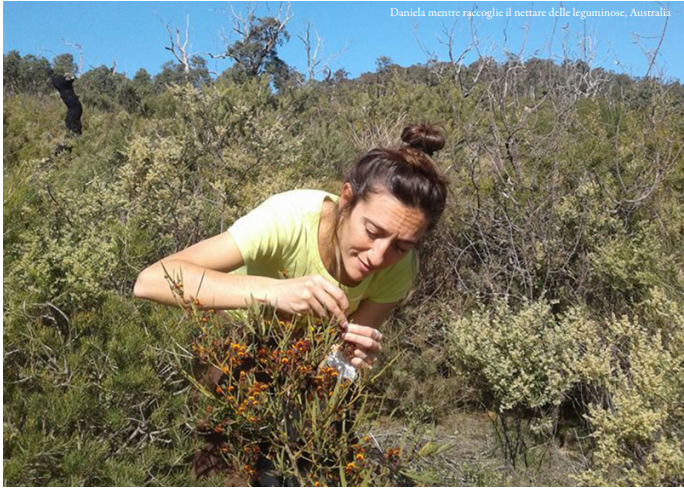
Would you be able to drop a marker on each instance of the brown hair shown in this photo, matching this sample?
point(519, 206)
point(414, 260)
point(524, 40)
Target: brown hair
point(408, 173)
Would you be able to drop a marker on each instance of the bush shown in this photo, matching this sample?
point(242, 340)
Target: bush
point(638, 427)
point(522, 361)
point(92, 394)
point(280, 408)
point(529, 361)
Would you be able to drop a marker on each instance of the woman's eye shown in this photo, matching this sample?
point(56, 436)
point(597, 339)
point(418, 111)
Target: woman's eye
point(401, 249)
point(372, 235)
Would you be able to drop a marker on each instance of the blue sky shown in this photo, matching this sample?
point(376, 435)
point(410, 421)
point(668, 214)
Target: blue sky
point(132, 34)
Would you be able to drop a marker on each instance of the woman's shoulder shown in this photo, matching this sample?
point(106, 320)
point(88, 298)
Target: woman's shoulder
point(282, 222)
point(301, 198)
point(298, 203)
point(394, 283)
point(406, 269)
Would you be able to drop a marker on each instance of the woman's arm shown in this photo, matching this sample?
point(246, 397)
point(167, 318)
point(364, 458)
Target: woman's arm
point(203, 270)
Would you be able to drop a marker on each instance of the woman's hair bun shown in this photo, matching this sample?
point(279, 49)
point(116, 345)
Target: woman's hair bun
point(428, 138)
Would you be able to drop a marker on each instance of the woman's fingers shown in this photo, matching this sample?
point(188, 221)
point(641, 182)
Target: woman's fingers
point(367, 337)
point(326, 301)
point(324, 296)
point(367, 357)
point(365, 331)
point(311, 301)
point(358, 363)
point(362, 363)
point(312, 294)
point(363, 341)
point(336, 299)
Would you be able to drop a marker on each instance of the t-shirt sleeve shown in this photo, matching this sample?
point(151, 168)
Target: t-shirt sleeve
point(393, 284)
point(260, 235)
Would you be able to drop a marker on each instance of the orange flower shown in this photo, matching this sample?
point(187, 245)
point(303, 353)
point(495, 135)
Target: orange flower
point(350, 468)
point(393, 454)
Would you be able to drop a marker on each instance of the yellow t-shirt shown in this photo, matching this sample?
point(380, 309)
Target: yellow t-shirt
point(282, 234)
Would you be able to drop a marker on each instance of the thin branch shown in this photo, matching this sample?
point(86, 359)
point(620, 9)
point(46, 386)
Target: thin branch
point(660, 43)
point(176, 47)
point(80, 53)
point(431, 56)
point(314, 63)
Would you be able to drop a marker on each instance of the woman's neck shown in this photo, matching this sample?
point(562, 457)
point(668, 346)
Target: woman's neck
point(325, 242)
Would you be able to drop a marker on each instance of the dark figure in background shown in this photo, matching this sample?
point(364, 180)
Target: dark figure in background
point(64, 85)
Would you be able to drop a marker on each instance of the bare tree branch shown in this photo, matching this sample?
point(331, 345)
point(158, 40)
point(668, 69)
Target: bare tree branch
point(179, 49)
point(657, 49)
point(314, 63)
point(80, 54)
point(430, 55)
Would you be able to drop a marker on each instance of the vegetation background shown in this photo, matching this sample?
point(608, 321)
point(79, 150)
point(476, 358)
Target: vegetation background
point(546, 335)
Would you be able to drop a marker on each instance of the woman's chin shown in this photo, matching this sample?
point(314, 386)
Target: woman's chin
point(354, 276)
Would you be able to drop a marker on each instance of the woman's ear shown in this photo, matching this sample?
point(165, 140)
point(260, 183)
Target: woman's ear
point(345, 195)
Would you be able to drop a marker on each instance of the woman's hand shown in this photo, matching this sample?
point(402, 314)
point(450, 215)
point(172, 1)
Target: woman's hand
point(309, 294)
point(366, 343)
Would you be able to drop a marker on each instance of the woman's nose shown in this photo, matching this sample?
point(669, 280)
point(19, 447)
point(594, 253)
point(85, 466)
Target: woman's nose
point(378, 252)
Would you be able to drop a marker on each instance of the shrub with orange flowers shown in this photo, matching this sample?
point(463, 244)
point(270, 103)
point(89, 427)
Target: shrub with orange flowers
point(278, 404)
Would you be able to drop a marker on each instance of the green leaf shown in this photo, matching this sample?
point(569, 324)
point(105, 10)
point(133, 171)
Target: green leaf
point(432, 449)
point(421, 478)
point(343, 478)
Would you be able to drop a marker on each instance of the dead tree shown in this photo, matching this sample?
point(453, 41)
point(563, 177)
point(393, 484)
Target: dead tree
point(64, 84)
point(258, 39)
point(179, 49)
point(315, 64)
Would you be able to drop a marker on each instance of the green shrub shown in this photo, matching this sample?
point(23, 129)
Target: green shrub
point(275, 401)
point(638, 427)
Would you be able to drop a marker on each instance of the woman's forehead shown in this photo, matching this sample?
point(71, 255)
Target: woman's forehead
point(389, 214)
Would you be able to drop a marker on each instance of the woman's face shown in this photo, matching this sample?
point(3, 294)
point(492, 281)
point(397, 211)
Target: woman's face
point(377, 233)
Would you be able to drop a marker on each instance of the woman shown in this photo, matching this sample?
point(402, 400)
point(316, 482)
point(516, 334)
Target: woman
point(350, 256)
